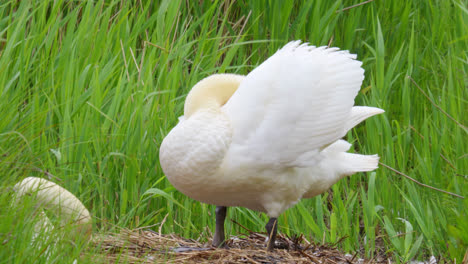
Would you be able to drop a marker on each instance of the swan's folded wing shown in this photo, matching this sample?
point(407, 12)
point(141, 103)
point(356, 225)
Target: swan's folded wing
point(295, 103)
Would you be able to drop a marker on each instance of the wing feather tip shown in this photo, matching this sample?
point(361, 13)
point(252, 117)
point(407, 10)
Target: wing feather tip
point(298, 45)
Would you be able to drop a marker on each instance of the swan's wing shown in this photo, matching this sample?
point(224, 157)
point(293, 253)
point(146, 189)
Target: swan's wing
point(294, 104)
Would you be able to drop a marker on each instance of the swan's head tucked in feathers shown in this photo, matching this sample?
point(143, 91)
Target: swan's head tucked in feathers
point(196, 147)
point(271, 138)
point(213, 91)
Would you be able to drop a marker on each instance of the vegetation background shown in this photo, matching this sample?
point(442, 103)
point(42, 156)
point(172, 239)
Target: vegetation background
point(88, 90)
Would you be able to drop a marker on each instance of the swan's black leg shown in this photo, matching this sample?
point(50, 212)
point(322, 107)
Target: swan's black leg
point(218, 239)
point(272, 228)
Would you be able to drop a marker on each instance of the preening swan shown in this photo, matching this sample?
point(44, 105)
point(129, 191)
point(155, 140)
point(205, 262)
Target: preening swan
point(266, 140)
point(63, 204)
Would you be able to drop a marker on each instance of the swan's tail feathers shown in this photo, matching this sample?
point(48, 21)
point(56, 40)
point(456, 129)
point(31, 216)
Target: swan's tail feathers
point(352, 163)
point(338, 146)
point(359, 114)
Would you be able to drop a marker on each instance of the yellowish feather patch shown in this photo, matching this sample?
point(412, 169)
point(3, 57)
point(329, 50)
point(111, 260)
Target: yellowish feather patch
point(212, 92)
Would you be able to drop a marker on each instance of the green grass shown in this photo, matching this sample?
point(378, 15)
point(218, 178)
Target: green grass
point(90, 88)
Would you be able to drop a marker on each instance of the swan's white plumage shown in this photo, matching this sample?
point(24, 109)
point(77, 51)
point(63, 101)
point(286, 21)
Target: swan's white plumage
point(359, 114)
point(301, 95)
point(277, 139)
point(62, 203)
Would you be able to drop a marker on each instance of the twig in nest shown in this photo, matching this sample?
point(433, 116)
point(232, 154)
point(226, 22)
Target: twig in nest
point(237, 223)
point(314, 260)
point(334, 245)
point(352, 259)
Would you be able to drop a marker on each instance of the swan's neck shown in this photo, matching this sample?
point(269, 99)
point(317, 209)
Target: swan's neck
point(211, 92)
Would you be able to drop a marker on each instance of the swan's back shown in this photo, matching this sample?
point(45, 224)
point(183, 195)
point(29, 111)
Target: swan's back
point(276, 139)
point(294, 104)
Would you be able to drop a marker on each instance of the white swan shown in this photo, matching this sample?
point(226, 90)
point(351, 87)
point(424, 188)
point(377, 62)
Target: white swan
point(266, 140)
point(60, 202)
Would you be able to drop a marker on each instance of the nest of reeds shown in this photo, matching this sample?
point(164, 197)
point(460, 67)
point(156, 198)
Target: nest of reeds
point(147, 246)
